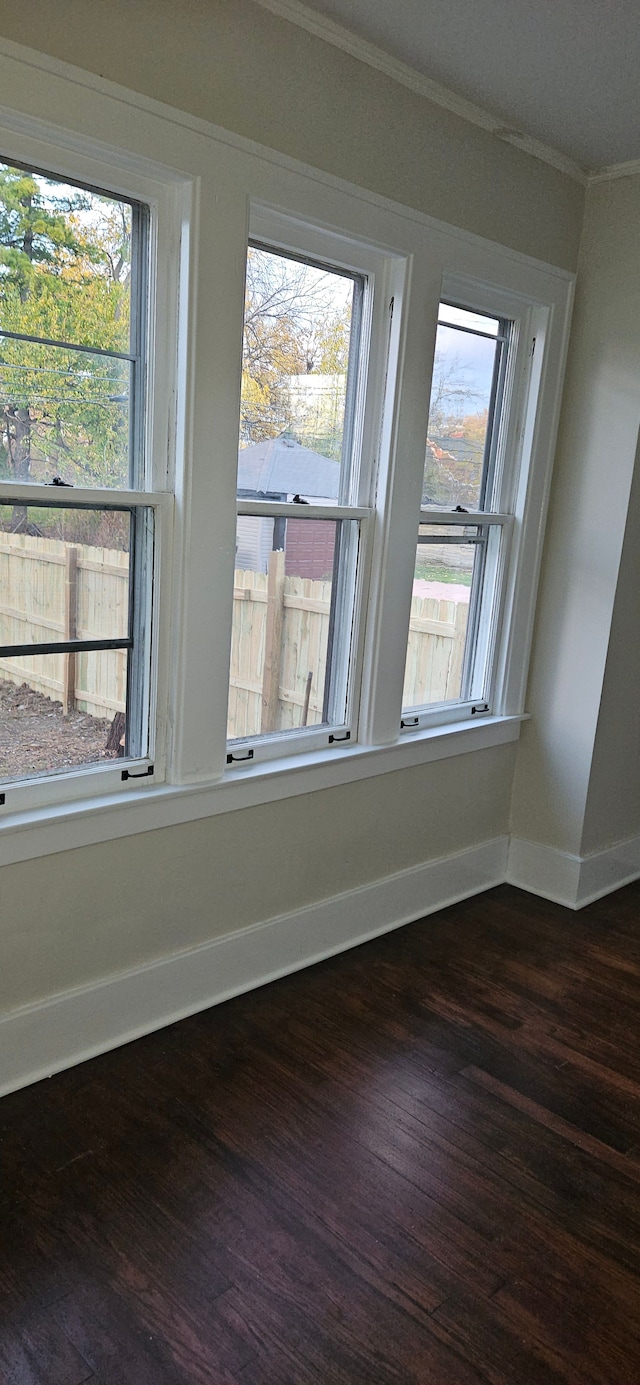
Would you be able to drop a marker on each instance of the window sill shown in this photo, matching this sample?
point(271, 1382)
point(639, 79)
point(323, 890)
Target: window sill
point(47, 830)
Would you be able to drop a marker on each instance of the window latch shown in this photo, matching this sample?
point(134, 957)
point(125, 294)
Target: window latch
point(144, 773)
point(239, 759)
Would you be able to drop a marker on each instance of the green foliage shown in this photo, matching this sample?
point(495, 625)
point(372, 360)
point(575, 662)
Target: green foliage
point(36, 227)
point(64, 276)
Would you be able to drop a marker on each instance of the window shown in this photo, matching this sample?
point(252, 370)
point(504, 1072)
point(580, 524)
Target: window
point(252, 542)
point(77, 532)
point(300, 539)
point(460, 564)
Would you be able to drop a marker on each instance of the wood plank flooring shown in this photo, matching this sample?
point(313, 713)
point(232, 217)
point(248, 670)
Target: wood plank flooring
point(418, 1162)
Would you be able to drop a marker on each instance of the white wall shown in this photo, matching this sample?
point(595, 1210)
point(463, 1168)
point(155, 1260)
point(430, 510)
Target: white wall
point(233, 63)
point(576, 786)
point(70, 918)
point(67, 920)
point(612, 811)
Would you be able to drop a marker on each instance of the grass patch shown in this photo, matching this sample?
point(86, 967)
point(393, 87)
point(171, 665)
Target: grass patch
point(433, 572)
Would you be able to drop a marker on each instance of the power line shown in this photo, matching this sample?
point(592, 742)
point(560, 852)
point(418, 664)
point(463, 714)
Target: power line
point(48, 370)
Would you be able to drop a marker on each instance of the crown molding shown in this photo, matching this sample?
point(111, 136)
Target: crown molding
point(327, 29)
point(609, 172)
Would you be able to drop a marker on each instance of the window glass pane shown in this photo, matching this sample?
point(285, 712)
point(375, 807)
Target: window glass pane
point(71, 271)
point(64, 574)
point(65, 261)
point(63, 413)
point(447, 560)
point(301, 330)
point(292, 624)
point(60, 711)
point(463, 317)
point(463, 391)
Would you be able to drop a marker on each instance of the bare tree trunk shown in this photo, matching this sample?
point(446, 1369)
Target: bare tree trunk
point(116, 735)
point(18, 439)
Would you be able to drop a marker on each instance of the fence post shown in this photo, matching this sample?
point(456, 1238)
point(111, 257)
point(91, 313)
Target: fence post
point(70, 626)
point(454, 679)
point(273, 641)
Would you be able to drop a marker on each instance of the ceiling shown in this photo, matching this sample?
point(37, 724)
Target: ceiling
point(564, 72)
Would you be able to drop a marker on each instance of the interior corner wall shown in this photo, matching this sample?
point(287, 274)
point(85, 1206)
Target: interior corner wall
point(612, 811)
point(571, 753)
point(235, 64)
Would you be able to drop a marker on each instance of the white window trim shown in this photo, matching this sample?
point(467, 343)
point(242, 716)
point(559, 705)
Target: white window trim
point(145, 807)
point(201, 182)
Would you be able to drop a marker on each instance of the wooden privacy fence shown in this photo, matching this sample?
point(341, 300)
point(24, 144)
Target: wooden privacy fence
point(51, 589)
point(435, 651)
point(280, 638)
point(279, 650)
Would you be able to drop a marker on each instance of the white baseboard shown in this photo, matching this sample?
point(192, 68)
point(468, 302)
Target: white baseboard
point(71, 1026)
point(543, 870)
point(572, 880)
point(605, 871)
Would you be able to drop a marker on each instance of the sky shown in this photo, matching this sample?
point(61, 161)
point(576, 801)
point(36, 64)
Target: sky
point(465, 358)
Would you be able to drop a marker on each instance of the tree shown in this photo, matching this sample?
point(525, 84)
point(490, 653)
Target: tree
point(297, 324)
point(64, 276)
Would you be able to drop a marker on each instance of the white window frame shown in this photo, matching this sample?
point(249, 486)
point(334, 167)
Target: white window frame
point(156, 466)
point(277, 232)
point(207, 192)
point(507, 505)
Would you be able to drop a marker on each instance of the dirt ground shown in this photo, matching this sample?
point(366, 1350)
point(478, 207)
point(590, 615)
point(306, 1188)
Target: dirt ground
point(36, 737)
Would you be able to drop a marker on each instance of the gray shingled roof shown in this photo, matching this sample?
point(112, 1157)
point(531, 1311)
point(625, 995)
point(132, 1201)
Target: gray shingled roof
point(281, 466)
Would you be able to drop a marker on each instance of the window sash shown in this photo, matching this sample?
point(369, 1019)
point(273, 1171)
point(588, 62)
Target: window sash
point(486, 604)
point(148, 574)
point(341, 683)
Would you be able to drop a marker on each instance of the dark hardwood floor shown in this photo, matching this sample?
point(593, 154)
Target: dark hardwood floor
point(418, 1162)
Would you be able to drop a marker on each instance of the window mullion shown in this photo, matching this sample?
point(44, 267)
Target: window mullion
point(402, 448)
point(211, 343)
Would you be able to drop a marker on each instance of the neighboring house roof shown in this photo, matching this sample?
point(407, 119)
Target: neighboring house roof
point(281, 466)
